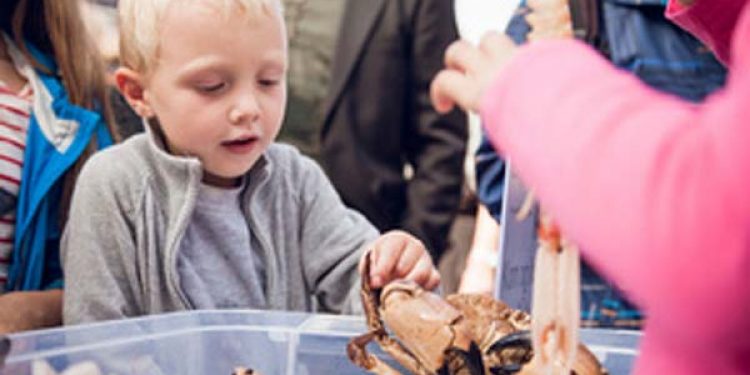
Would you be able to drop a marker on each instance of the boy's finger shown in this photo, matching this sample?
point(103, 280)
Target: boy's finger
point(373, 254)
point(422, 271)
point(433, 281)
point(388, 251)
point(409, 257)
point(450, 87)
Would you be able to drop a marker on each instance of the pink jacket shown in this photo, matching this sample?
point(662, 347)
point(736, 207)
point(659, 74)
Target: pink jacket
point(657, 190)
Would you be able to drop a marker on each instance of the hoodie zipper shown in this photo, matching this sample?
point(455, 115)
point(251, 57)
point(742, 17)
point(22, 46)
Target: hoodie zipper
point(173, 248)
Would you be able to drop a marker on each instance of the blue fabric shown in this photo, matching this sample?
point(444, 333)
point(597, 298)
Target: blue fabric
point(640, 40)
point(490, 176)
point(36, 264)
point(661, 54)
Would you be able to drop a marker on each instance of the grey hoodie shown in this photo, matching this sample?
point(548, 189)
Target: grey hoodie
point(133, 202)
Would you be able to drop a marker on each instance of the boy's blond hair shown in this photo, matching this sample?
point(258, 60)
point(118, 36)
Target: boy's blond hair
point(140, 19)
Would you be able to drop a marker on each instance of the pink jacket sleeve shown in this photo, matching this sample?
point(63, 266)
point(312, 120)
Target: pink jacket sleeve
point(712, 21)
point(655, 190)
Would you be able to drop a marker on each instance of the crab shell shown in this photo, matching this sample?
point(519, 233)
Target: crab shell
point(428, 325)
point(459, 335)
point(425, 323)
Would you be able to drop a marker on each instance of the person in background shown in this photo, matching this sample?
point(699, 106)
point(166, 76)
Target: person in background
point(389, 154)
point(636, 37)
point(478, 275)
point(53, 116)
point(100, 17)
point(666, 214)
point(204, 211)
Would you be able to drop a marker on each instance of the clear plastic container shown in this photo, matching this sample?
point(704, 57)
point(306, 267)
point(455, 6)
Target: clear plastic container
point(216, 342)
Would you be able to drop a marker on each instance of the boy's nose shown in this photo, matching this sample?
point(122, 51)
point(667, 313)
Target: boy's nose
point(246, 109)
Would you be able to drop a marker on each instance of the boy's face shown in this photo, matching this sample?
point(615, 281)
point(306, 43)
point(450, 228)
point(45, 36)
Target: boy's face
point(219, 88)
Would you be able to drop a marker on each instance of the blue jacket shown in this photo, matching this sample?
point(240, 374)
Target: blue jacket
point(636, 37)
point(58, 134)
point(639, 39)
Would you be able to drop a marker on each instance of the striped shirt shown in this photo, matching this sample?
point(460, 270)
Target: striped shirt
point(15, 109)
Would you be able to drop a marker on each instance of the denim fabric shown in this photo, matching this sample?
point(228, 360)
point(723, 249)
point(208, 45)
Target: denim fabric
point(659, 52)
point(490, 177)
point(636, 37)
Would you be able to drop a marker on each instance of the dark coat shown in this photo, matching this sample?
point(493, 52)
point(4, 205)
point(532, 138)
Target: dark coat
point(378, 118)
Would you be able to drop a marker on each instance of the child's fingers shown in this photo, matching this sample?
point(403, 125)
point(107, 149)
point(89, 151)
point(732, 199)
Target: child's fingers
point(495, 45)
point(409, 257)
point(387, 252)
point(451, 87)
point(440, 92)
point(433, 281)
point(462, 56)
point(422, 271)
point(373, 254)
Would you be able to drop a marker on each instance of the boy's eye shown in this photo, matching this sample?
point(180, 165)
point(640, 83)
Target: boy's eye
point(268, 82)
point(209, 88)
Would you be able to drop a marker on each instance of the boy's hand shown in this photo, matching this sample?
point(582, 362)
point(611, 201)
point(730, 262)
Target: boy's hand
point(399, 255)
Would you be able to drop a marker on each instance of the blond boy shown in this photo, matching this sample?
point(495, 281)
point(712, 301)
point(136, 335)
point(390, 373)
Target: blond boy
point(204, 210)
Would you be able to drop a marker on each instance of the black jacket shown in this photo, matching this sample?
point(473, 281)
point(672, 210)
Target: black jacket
point(378, 118)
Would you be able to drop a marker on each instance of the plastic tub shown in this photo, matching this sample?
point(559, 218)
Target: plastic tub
point(216, 342)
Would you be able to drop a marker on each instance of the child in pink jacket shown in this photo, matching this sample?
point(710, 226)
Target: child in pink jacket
point(654, 189)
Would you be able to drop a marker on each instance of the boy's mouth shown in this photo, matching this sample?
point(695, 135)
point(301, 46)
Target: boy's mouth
point(240, 145)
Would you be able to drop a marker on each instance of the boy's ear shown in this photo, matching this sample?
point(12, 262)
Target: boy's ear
point(130, 83)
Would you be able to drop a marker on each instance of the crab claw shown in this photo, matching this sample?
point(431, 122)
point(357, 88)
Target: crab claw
point(518, 339)
point(357, 352)
point(506, 369)
point(462, 362)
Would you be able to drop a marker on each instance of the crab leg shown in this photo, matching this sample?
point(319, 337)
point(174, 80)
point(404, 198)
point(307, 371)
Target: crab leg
point(556, 296)
point(357, 351)
point(555, 302)
point(400, 354)
point(556, 299)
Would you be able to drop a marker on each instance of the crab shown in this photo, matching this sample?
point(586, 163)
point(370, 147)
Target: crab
point(461, 334)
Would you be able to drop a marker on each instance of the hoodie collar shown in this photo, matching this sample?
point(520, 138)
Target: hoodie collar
point(258, 172)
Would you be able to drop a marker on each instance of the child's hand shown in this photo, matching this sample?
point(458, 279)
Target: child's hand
point(469, 71)
point(399, 255)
